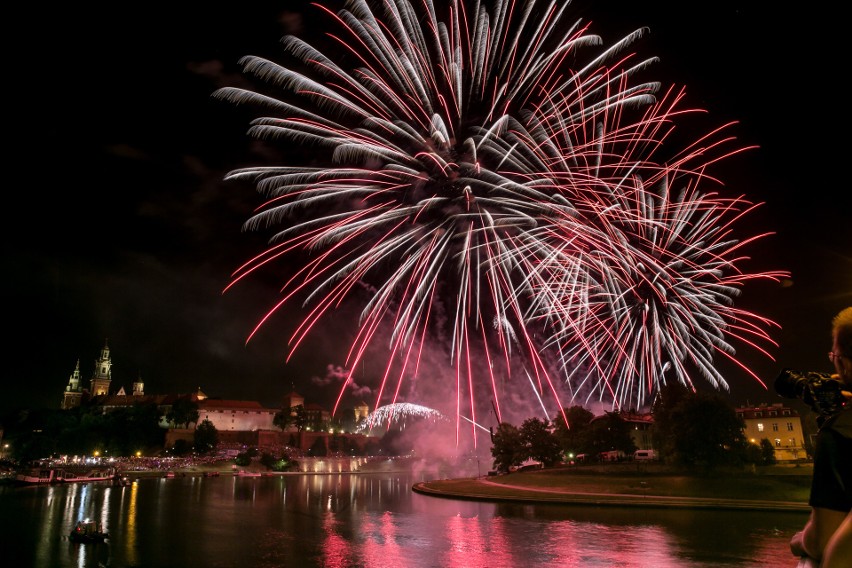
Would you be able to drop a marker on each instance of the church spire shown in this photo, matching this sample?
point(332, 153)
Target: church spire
point(73, 392)
point(102, 376)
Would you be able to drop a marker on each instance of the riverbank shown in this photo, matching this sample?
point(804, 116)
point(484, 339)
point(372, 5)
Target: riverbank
point(777, 489)
point(773, 488)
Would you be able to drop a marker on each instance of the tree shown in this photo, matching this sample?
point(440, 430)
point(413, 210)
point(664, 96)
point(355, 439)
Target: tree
point(541, 443)
point(767, 452)
point(181, 448)
point(206, 437)
point(571, 436)
point(283, 418)
point(608, 433)
point(508, 448)
point(183, 412)
point(705, 431)
point(669, 396)
point(299, 417)
point(318, 448)
point(295, 415)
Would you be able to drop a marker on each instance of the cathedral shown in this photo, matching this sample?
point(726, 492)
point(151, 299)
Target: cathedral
point(243, 422)
point(98, 385)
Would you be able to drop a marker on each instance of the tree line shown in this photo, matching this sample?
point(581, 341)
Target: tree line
point(34, 434)
point(690, 429)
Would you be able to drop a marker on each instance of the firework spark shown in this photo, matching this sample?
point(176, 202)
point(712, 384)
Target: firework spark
point(499, 159)
point(398, 413)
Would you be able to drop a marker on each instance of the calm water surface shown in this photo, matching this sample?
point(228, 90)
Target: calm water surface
point(365, 520)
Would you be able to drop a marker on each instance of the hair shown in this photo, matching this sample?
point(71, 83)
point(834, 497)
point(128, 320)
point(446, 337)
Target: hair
point(841, 328)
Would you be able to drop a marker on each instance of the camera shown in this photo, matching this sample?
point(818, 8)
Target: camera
point(818, 390)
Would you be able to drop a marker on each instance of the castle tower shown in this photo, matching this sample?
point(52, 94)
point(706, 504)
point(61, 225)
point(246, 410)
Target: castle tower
point(362, 411)
point(102, 376)
point(138, 387)
point(293, 400)
point(73, 392)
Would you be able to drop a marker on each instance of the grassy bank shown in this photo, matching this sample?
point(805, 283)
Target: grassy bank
point(773, 488)
point(777, 484)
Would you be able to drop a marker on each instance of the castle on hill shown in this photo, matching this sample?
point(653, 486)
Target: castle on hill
point(238, 421)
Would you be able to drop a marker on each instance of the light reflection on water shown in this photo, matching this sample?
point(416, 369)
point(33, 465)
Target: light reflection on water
point(365, 520)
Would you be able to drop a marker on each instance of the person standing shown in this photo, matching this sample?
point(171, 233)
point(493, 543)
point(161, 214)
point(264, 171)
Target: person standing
point(827, 536)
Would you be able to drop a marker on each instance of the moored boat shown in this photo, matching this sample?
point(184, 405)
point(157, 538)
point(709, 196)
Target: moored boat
point(87, 530)
point(121, 480)
point(244, 473)
point(65, 475)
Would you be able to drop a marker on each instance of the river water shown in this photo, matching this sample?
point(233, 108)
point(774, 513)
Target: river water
point(343, 520)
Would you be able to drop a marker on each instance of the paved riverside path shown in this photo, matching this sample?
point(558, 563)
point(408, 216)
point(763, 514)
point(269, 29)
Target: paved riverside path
point(481, 489)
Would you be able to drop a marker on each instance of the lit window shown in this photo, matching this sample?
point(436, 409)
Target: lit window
point(760, 426)
point(778, 442)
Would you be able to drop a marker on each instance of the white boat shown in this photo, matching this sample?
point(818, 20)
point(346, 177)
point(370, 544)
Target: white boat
point(244, 473)
point(66, 475)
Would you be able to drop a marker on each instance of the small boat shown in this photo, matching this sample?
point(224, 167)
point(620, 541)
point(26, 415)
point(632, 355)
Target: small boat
point(244, 473)
point(121, 481)
point(87, 530)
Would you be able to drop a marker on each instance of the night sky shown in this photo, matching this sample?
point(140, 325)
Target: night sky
point(119, 226)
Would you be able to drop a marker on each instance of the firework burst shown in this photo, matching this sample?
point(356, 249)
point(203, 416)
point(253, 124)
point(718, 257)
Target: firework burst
point(501, 160)
point(399, 413)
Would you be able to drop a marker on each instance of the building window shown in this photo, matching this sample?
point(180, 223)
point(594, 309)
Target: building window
point(778, 442)
point(789, 426)
point(774, 426)
point(758, 414)
point(760, 426)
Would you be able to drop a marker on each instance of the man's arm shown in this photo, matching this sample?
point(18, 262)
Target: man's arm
point(812, 540)
point(838, 551)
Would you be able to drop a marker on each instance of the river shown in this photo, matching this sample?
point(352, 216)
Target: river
point(347, 520)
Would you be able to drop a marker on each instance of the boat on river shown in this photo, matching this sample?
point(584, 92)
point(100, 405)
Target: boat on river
point(244, 473)
point(65, 475)
point(86, 531)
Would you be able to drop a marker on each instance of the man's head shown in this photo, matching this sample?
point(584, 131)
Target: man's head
point(841, 349)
